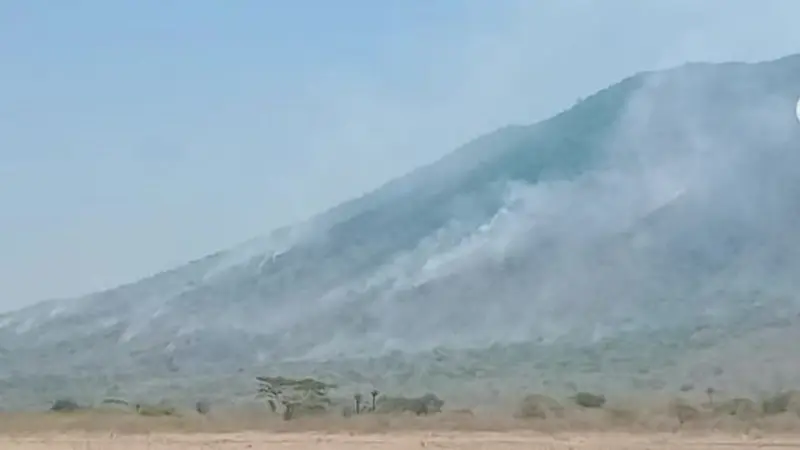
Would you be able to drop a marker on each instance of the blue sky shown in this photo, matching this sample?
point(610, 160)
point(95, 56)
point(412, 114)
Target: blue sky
point(137, 135)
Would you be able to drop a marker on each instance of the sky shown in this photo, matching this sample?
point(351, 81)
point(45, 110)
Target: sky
point(136, 136)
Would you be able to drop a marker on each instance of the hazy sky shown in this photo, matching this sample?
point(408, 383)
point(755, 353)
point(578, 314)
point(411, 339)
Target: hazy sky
point(137, 135)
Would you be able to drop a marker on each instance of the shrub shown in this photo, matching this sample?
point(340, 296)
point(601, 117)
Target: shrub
point(65, 405)
point(202, 407)
point(589, 400)
point(782, 402)
point(159, 410)
point(537, 406)
point(743, 408)
point(426, 404)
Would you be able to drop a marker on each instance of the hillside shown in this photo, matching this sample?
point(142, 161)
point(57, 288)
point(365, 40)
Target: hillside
point(658, 208)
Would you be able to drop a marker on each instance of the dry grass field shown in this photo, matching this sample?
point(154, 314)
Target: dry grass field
point(395, 440)
point(456, 430)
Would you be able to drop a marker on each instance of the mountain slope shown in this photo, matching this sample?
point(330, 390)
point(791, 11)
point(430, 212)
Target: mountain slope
point(664, 203)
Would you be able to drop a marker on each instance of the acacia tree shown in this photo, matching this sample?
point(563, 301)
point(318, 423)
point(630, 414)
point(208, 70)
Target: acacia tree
point(306, 393)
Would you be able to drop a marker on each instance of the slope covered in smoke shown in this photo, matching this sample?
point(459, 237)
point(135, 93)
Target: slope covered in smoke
point(667, 202)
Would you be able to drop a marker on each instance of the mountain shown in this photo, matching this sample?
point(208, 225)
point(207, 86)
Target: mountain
point(657, 215)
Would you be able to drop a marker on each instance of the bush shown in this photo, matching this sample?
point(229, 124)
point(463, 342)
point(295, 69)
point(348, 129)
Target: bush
point(159, 410)
point(782, 402)
point(115, 401)
point(65, 405)
point(589, 400)
point(743, 408)
point(202, 407)
point(426, 404)
point(537, 406)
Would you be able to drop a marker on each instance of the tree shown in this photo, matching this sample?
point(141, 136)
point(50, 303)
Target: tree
point(304, 395)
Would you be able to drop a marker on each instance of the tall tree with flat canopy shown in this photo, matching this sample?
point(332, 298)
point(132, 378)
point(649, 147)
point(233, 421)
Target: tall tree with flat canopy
point(306, 395)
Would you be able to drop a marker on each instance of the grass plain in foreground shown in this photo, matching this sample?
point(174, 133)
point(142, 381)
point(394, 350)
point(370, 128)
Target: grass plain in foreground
point(577, 429)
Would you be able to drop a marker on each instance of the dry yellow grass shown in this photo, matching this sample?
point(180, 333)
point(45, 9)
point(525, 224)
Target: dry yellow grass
point(396, 440)
point(596, 429)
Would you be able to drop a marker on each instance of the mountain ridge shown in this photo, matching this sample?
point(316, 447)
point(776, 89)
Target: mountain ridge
point(643, 210)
